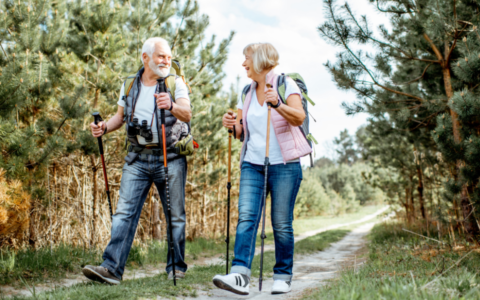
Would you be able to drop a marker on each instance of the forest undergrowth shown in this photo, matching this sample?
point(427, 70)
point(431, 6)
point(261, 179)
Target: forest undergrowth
point(403, 265)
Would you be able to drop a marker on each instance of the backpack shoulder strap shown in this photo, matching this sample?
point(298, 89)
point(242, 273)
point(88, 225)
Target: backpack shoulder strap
point(171, 84)
point(281, 87)
point(129, 83)
point(298, 79)
point(245, 91)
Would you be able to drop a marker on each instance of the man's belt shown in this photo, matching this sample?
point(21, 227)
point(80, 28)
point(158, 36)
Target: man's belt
point(151, 151)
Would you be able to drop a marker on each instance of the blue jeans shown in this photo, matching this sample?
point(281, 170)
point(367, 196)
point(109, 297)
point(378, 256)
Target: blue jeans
point(137, 179)
point(283, 183)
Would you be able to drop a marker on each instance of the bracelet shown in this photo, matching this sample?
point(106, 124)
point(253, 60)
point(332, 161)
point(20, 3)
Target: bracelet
point(171, 105)
point(234, 132)
point(278, 103)
point(105, 131)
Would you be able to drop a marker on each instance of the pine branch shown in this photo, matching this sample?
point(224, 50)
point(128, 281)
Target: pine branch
point(158, 17)
point(447, 60)
point(401, 93)
point(434, 48)
point(389, 10)
point(416, 79)
point(40, 12)
point(367, 35)
point(4, 51)
point(180, 25)
point(344, 42)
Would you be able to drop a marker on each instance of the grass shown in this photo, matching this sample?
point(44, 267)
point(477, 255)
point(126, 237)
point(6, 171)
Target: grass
point(28, 267)
point(320, 241)
point(42, 264)
point(197, 278)
point(303, 225)
point(400, 265)
point(35, 265)
point(156, 252)
point(150, 287)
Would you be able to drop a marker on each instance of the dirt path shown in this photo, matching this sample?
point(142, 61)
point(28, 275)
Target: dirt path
point(302, 236)
point(310, 271)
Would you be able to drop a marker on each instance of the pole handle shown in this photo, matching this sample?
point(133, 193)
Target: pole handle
point(269, 86)
point(230, 112)
point(97, 119)
point(162, 89)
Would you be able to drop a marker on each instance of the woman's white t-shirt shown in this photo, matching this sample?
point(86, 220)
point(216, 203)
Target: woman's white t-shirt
point(257, 127)
point(146, 105)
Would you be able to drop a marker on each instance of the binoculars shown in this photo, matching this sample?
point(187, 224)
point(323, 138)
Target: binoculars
point(144, 130)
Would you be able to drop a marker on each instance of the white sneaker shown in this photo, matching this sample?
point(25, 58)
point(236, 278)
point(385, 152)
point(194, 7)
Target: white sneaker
point(281, 286)
point(235, 282)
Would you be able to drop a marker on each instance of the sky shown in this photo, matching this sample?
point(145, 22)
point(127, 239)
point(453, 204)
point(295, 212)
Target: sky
point(291, 26)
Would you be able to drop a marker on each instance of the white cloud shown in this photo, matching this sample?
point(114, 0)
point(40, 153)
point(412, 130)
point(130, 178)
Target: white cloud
point(291, 26)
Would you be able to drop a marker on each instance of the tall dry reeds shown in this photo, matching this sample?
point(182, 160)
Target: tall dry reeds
point(76, 213)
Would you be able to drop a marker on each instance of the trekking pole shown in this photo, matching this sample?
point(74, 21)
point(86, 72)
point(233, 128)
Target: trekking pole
point(264, 213)
point(98, 119)
point(229, 187)
point(163, 89)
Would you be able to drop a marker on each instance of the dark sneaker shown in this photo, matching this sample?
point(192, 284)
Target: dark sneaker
point(180, 275)
point(235, 282)
point(100, 274)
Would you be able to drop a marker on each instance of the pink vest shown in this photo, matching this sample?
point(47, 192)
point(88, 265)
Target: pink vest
point(293, 143)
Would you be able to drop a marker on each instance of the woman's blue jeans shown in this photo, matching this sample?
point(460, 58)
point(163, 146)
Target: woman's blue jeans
point(137, 179)
point(283, 183)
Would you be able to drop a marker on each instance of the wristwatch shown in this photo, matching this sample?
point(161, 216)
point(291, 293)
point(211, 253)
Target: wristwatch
point(278, 104)
point(105, 131)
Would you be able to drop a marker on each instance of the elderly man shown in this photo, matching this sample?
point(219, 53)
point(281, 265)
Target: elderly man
point(139, 101)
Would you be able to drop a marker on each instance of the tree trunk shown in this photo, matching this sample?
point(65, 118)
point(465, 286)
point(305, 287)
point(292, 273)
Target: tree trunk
point(31, 223)
point(408, 207)
point(32, 238)
point(470, 221)
point(410, 194)
point(420, 191)
point(469, 218)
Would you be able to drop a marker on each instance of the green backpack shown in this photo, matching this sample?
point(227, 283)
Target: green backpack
point(305, 99)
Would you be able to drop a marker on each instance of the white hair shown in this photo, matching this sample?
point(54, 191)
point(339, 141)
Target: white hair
point(149, 46)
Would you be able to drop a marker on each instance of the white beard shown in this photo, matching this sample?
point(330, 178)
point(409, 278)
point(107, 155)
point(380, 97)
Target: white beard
point(156, 69)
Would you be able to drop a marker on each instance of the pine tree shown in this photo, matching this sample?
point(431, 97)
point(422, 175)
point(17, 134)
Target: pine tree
point(410, 77)
point(62, 60)
point(346, 151)
point(37, 99)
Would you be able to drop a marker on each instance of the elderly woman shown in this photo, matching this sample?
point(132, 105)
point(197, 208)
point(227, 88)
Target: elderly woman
point(287, 145)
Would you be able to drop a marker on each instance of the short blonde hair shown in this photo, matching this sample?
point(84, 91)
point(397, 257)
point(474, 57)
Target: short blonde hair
point(264, 56)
